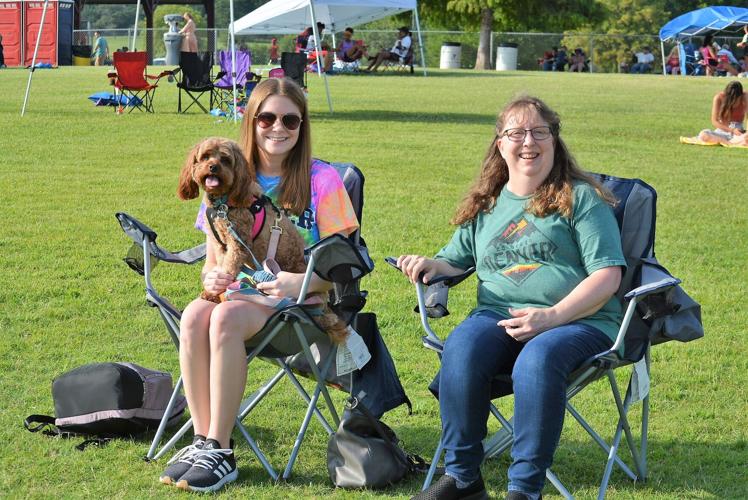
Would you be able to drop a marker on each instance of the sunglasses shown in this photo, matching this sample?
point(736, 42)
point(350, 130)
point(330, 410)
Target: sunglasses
point(267, 119)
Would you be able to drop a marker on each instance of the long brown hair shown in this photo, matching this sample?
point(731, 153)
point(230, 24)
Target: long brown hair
point(733, 96)
point(553, 195)
point(295, 191)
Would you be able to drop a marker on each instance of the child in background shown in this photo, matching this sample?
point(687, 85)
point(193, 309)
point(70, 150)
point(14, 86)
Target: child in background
point(274, 57)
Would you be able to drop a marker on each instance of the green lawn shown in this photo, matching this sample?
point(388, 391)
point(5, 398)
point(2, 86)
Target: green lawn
point(68, 299)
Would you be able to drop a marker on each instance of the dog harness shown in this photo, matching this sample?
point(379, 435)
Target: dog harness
point(220, 210)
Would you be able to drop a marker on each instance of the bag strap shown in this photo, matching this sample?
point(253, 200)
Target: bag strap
point(413, 463)
point(43, 423)
point(46, 424)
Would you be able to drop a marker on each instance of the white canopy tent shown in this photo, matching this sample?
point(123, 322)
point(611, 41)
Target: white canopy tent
point(279, 17)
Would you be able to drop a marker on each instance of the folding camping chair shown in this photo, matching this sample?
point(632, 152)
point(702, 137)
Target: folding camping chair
point(195, 78)
point(130, 78)
point(654, 301)
point(245, 79)
point(405, 63)
point(337, 259)
point(294, 67)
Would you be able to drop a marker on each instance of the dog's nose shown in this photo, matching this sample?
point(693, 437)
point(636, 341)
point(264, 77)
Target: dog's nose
point(213, 169)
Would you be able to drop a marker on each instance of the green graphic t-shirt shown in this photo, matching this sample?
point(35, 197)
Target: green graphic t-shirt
point(526, 261)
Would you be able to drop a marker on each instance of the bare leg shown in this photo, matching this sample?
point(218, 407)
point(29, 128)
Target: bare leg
point(231, 324)
point(708, 136)
point(194, 361)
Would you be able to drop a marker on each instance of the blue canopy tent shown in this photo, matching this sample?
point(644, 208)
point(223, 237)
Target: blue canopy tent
point(698, 23)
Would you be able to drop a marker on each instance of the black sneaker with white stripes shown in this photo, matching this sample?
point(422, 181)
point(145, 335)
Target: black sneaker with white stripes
point(182, 461)
point(213, 468)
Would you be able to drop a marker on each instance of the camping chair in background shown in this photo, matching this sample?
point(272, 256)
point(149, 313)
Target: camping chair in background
point(294, 67)
point(194, 78)
point(131, 80)
point(340, 260)
point(405, 63)
point(245, 79)
point(658, 310)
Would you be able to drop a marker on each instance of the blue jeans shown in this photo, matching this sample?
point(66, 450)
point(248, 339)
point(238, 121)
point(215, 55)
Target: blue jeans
point(478, 350)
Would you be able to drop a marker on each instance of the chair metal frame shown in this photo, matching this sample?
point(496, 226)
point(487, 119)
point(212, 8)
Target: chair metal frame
point(597, 367)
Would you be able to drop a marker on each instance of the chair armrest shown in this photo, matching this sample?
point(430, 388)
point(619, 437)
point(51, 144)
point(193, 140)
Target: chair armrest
point(449, 281)
point(657, 287)
point(160, 75)
point(112, 74)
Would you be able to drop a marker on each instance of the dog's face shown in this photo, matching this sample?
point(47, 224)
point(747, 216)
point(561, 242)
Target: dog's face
point(217, 166)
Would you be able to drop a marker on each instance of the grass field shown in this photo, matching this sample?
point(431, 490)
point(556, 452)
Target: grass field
point(67, 298)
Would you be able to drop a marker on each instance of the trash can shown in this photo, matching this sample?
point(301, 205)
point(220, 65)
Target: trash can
point(450, 55)
point(506, 57)
point(172, 42)
point(81, 55)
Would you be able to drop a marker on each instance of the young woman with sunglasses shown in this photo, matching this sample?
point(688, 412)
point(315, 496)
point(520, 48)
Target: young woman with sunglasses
point(276, 139)
point(547, 252)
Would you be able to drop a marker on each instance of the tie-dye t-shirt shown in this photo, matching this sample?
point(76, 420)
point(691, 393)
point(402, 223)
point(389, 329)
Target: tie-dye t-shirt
point(330, 211)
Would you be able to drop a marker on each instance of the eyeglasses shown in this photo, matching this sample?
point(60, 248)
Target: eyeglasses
point(519, 134)
point(267, 119)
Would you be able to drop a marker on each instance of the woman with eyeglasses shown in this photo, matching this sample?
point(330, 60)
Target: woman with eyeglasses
point(275, 136)
point(547, 252)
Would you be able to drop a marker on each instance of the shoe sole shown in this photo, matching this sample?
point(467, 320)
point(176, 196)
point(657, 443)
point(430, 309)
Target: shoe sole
point(182, 484)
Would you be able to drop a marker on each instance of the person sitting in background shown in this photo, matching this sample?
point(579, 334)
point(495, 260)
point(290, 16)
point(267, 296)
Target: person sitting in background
point(549, 56)
point(708, 55)
point(672, 64)
point(726, 61)
point(644, 61)
point(578, 60)
point(559, 64)
point(398, 52)
point(302, 39)
point(729, 109)
point(348, 51)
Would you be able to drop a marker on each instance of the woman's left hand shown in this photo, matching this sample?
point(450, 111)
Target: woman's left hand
point(528, 322)
point(284, 285)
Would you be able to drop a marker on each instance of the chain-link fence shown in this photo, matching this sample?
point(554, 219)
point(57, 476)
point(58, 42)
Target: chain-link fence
point(604, 53)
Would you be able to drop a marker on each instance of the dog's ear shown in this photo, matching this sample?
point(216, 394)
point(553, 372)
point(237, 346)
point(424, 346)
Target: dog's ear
point(241, 190)
point(188, 188)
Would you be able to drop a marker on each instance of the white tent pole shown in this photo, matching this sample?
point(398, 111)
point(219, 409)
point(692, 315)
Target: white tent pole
point(318, 48)
point(33, 60)
point(135, 30)
point(334, 43)
point(662, 52)
point(233, 54)
point(420, 40)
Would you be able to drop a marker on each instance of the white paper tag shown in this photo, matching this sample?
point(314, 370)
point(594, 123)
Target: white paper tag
point(353, 354)
point(639, 381)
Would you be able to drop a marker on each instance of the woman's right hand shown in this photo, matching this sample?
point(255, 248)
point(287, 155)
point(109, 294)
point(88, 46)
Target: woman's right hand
point(413, 265)
point(216, 281)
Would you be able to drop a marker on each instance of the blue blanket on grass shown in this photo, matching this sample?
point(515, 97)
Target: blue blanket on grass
point(109, 99)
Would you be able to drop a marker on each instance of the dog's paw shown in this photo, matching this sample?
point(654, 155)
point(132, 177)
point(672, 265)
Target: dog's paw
point(210, 298)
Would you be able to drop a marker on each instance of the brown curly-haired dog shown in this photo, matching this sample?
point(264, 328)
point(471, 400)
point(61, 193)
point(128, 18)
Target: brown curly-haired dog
point(218, 166)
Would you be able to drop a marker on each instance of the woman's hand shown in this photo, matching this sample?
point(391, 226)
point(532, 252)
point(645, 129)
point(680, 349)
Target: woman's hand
point(413, 265)
point(284, 285)
point(528, 322)
point(216, 281)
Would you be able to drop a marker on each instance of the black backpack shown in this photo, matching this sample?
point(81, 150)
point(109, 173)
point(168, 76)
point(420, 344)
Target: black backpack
point(107, 400)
